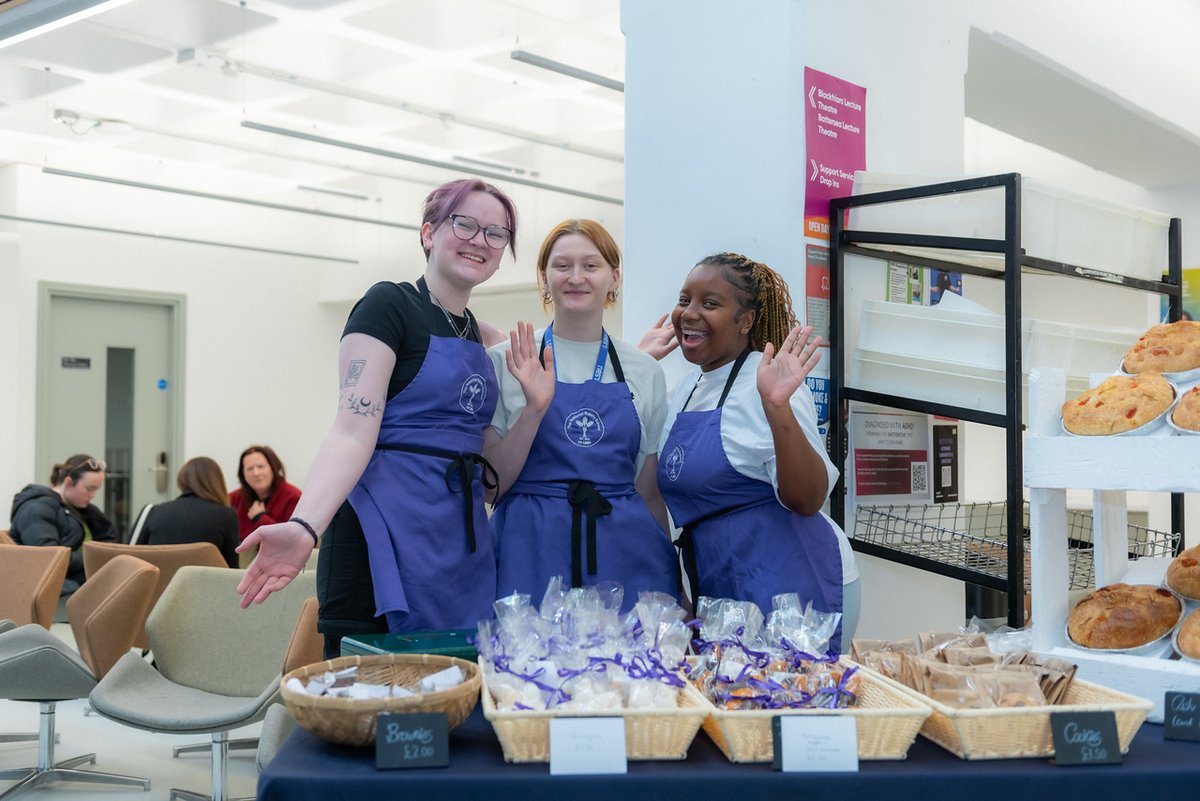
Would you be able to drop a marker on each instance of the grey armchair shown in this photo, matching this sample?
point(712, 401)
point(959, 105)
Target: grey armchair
point(218, 664)
point(35, 665)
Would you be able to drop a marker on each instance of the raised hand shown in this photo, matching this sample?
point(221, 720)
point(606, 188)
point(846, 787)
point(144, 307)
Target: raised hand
point(781, 374)
point(537, 382)
point(283, 550)
point(659, 339)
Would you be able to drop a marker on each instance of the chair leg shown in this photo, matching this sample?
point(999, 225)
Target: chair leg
point(220, 775)
point(47, 770)
point(240, 744)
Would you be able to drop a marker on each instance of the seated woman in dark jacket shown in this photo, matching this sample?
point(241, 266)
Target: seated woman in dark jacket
point(200, 514)
point(63, 514)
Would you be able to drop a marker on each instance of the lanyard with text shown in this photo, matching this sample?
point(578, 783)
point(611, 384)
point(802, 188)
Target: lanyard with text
point(601, 357)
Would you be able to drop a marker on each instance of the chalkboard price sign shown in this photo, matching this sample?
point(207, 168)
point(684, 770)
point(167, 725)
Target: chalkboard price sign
point(1085, 738)
point(1181, 716)
point(415, 740)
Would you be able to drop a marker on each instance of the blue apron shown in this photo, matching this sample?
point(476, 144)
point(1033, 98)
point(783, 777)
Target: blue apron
point(420, 499)
point(738, 541)
point(555, 522)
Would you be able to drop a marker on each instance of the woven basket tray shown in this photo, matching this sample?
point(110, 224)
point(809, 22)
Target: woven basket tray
point(1025, 731)
point(351, 721)
point(649, 733)
point(887, 719)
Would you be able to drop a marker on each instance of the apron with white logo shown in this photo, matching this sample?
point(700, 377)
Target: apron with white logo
point(574, 511)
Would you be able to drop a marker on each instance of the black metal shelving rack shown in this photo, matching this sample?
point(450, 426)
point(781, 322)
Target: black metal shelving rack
point(843, 241)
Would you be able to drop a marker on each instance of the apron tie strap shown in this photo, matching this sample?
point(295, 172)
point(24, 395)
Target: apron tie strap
point(462, 465)
point(585, 500)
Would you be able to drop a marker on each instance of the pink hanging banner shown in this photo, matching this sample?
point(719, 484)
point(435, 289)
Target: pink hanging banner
point(835, 143)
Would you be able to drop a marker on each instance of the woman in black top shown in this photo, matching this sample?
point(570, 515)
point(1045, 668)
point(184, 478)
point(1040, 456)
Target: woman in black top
point(200, 514)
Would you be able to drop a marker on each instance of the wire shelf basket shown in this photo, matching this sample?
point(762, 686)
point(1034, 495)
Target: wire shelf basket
point(973, 536)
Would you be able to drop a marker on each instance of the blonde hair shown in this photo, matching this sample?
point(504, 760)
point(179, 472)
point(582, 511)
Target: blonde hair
point(597, 234)
point(761, 290)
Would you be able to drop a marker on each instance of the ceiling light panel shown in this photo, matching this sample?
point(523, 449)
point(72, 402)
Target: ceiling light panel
point(186, 23)
point(78, 48)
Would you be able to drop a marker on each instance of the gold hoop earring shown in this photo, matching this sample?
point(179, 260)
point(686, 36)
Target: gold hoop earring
point(613, 294)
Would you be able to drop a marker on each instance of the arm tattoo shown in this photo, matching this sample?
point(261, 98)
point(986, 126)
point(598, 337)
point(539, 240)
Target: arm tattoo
point(354, 372)
point(361, 407)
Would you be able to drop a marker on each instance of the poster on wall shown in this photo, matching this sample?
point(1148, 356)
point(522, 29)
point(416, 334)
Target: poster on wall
point(891, 455)
point(1191, 296)
point(919, 285)
point(835, 142)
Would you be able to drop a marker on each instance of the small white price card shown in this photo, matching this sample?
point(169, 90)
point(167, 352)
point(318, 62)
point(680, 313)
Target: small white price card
point(587, 745)
point(816, 743)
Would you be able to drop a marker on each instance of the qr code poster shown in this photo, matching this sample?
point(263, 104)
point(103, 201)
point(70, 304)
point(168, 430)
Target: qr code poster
point(890, 457)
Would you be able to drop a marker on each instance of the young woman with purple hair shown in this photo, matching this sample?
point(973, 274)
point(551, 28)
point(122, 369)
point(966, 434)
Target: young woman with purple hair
point(395, 494)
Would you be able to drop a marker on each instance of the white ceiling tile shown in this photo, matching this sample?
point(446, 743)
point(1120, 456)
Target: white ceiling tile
point(18, 82)
point(322, 56)
point(185, 23)
point(208, 80)
point(82, 49)
point(449, 25)
point(347, 113)
point(438, 87)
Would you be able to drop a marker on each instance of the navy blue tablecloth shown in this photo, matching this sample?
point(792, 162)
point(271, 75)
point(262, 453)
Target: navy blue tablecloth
point(307, 768)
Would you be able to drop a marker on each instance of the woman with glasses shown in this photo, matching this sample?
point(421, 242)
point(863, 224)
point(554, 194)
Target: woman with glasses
point(395, 492)
point(575, 435)
point(742, 466)
point(63, 513)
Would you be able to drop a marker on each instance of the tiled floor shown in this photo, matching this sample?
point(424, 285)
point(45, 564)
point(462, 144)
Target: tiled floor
point(118, 749)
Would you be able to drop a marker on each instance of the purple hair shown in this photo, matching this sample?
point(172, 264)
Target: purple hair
point(443, 201)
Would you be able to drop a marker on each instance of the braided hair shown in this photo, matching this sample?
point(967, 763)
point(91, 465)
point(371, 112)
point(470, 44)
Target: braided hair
point(761, 290)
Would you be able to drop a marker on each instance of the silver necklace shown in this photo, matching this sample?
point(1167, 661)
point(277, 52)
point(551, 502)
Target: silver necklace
point(465, 332)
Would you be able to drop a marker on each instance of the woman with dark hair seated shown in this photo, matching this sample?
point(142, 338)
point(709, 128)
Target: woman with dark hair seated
point(201, 513)
point(265, 497)
point(63, 514)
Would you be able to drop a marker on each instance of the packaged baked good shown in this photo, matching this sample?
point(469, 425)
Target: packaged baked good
point(1186, 414)
point(1120, 403)
point(1123, 616)
point(1166, 348)
point(1187, 639)
point(1183, 574)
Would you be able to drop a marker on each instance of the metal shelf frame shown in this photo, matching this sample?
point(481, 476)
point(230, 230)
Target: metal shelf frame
point(843, 241)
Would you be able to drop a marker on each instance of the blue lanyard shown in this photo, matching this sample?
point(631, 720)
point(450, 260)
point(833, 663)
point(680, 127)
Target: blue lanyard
point(601, 357)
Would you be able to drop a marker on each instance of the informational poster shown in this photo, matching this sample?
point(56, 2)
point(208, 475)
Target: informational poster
point(920, 286)
point(891, 455)
point(820, 392)
point(816, 292)
point(1191, 296)
point(835, 142)
point(945, 475)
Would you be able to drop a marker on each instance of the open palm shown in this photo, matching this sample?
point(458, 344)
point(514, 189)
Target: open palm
point(781, 373)
point(536, 380)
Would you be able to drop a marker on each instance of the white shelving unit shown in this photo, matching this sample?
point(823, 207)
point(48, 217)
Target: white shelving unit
point(1110, 467)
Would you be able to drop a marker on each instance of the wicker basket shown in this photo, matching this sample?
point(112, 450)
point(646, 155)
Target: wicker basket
point(351, 721)
point(1025, 732)
point(649, 733)
point(887, 718)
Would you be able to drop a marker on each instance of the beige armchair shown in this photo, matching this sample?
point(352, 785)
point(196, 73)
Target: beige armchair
point(30, 581)
point(218, 664)
point(37, 666)
point(167, 558)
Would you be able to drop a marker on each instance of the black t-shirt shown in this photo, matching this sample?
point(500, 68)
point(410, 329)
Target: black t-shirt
point(399, 317)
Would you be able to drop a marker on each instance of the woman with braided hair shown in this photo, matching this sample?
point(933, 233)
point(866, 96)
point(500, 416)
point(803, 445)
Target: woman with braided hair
point(742, 466)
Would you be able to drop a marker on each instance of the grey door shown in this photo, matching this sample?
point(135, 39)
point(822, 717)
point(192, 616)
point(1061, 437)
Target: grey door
point(108, 385)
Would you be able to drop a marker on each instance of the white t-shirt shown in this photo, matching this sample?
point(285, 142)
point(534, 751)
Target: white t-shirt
point(574, 363)
point(746, 436)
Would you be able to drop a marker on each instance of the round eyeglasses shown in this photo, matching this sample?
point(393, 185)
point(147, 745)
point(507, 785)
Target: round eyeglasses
point(465, 228)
